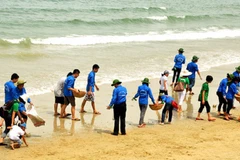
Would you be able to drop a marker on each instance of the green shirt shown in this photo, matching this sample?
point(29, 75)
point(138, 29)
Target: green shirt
point(14, 107)
point(205, 88)
point(185, 80)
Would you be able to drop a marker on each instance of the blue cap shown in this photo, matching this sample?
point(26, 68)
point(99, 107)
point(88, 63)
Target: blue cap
point(23, 125)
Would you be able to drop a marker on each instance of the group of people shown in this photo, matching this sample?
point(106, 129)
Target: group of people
point(14, 106)
point(65, 94)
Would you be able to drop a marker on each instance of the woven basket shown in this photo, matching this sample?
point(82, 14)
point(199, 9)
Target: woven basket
point(157, 107)
point(237, 98)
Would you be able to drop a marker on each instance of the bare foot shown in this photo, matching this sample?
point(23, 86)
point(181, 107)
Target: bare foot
point(12, 146)
point(211, 119)
point(83, 111)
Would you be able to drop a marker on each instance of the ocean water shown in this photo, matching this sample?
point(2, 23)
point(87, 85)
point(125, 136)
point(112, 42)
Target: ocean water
point(44, 40)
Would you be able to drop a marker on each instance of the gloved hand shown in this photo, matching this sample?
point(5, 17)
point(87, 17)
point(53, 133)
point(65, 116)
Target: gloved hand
point(134, 99)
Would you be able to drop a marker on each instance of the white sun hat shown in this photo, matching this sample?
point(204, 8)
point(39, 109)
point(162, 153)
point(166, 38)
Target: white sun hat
point(186, 73)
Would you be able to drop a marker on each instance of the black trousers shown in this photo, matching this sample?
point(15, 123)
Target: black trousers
point(119, 111)
point(202, 106)
point(176, 72)
point(229, 105)
point(8, 120)
point(222, 101)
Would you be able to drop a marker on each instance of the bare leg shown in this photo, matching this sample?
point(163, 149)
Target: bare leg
point(55, 109)
point(82, 106)
point(1, 122)
point(63, 111)
point(73, 112)
point(94, 108)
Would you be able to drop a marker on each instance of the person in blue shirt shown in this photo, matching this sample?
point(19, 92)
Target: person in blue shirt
point(232, 90)
point(237, 75)
point(10, 96)
point(90, 90)
point(221, 93)
point(168, 107)
point(68, 90)
point(143, 93)
point(118, 103)
point(193, 67)
point(20, 90)
point(179, 60)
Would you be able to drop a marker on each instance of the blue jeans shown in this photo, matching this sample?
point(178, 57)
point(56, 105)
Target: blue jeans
point(192, 83)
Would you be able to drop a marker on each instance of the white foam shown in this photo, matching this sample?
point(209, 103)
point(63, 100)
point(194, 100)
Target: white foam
point(158, 18)
point(82, 40)
point(163, 8)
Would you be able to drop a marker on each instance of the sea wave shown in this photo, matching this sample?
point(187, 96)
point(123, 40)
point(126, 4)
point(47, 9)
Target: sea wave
point(82, 40)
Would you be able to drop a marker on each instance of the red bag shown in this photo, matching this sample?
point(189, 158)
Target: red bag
point(175, 105)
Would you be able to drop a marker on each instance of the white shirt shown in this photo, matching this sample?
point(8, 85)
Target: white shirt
point(15, 133)
point(162, 79)
point(58, 90)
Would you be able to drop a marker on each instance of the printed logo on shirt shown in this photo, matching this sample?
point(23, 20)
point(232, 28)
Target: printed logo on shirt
point(143, 93)
point(180, 59)
point(122, 94)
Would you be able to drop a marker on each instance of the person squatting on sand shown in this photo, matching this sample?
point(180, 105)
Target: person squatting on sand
point(163, 83)
point(181, 95)
point(221, 93)
point(179, 60)
point(68, 95)
point(203, 98)
point(193, 67)
point(11, 98)
point(143, 93)
point(232, 90)
point(59, 95)
point(168, 107)
point(16, 134)
point(118, 103)
point(90, 90)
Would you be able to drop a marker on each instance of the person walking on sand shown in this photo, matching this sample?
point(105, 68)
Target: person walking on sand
point(90, 90)
point(68, 95)
point(232, 90)
point(118, 103)
point(203, 98)
point(181, 95)
point(59, 95)
point(193, 67)
point(221, 93)
point(179, 60)
point(163, 83)
point(237, 75)
point(143, 93)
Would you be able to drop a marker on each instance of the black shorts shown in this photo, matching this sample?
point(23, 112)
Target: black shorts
point(59, 100)
point(69, 99)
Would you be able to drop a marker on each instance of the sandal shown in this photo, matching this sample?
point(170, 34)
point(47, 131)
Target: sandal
point(199, 118)
point(76, 119)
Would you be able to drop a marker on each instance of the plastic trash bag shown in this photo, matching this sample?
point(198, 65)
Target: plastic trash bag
point(35, 118)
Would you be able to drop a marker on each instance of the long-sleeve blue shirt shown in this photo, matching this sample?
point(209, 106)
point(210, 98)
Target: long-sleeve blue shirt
point(143, 92)
point(91, 81)
point(167, 99)
point(192, 67)
point(69, 83)
point(20, 92)
point(232, 90)
point(236, 74)
point(119, 95)
point(10, 93)
point(179, 60)
point(223, 86)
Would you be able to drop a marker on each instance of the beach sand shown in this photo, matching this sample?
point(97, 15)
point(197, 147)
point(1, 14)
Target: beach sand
point(90, 138)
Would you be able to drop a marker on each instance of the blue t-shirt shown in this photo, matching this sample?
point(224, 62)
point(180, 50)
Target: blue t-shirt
point(192, 67)
point(119, 95)
point(91, 81)
point(10, 92)
point(236, 74)
point(179, 60)
point(223, 86)
point(167, 99)
point(232, 90)
point(143, 92)
point(69, 83)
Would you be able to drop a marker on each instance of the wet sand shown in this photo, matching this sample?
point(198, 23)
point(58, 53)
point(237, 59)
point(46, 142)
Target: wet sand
point(90, 138)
